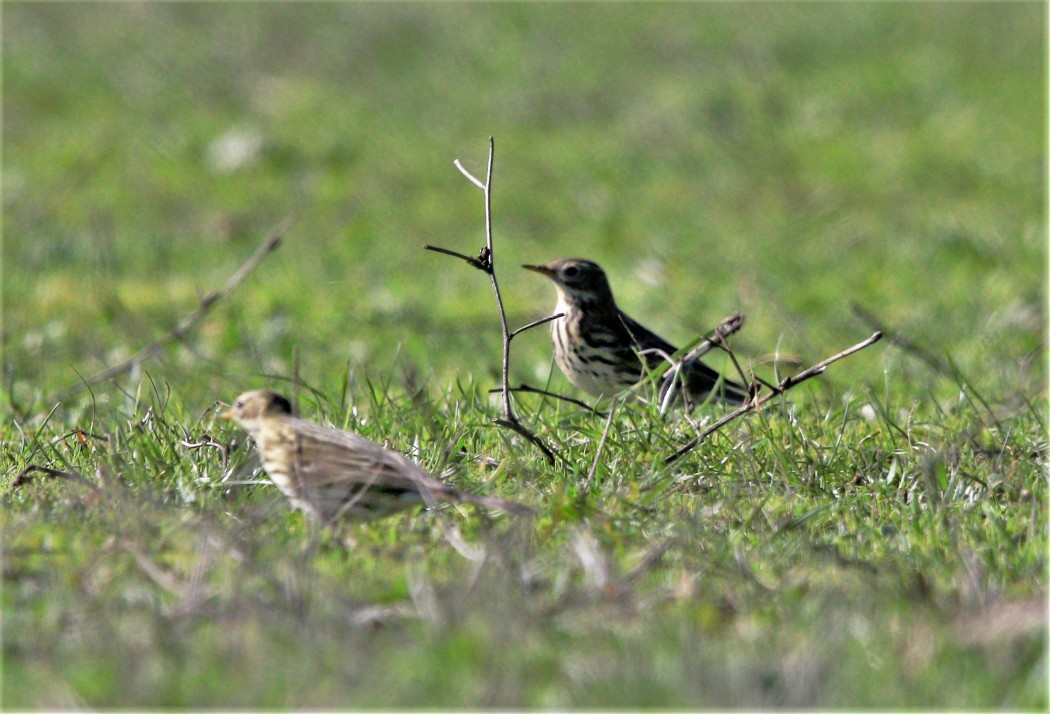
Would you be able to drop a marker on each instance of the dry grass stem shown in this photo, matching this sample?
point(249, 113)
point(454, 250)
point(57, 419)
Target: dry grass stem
point(207, 302)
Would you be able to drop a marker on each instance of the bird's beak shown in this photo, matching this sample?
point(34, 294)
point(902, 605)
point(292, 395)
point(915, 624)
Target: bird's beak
point(228, 414)
point(541, 269)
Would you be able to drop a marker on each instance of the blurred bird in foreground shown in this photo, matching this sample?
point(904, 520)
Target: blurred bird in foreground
point(600, 348)
point(337, 475)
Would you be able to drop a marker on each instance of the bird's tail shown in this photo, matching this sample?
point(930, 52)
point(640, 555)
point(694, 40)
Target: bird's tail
point(732, 392)
point(699, 381)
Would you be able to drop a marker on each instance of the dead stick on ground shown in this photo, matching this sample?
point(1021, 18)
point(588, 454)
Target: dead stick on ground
point(785, 384)
point(485, 262)
point(208, 301)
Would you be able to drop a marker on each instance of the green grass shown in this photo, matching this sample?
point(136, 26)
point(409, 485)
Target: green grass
point(859, 543)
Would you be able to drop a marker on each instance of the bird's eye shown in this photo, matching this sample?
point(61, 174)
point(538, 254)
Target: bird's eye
point(571, 272)
point(239, 403)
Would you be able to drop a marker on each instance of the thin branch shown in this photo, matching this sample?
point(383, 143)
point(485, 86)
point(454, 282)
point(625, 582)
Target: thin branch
point(535, 323)
point(764, 383)
point(517, 426)
point(207, 302)
point(486, 262)
point(706, 343)
point(508, 408)
point(476, 262)
point(470, 176)
point(726, 328)
point(785, 384)
point(820, 367)
point(739, 370)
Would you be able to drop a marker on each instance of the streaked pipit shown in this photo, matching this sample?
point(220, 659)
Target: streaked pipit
point(600, 348)
point(333, 474)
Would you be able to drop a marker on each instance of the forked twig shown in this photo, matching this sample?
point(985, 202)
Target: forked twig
point(785, 384)
point(706, 343)
point(207, 302)
point(476, 262)
point(726, 328)
point(484, 262)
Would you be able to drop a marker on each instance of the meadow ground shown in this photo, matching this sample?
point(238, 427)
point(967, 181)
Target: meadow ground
point(877, 537)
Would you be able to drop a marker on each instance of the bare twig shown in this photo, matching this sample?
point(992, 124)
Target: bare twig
point(476, 262)
point(536, 323)
point(751, 384)
point(726, 328)
point(785, 384)
point(485, 262)
point(719, 340)
point(482, 186)
point(516, 426)
point(207, 302)
point(705, 344)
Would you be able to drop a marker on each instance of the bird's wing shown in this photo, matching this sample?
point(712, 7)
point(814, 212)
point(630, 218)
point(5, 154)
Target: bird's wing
point(647, 341)
point(699, 380)
point(332, 457)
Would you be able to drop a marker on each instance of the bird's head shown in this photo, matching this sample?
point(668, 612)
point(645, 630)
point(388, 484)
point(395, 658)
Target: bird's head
point(256, 404)
point(576, 279)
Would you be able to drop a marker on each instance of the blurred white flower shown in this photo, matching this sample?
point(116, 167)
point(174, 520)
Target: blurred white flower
point(651, 272)
point(235, 149)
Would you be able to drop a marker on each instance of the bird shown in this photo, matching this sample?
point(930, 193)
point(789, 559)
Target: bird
point(336, 475)
point(601, 349)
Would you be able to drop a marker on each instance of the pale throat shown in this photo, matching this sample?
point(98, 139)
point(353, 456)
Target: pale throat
point(570, 301)
point(564, 303)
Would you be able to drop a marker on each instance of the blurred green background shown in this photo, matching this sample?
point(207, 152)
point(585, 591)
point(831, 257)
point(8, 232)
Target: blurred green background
point(781, 159)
